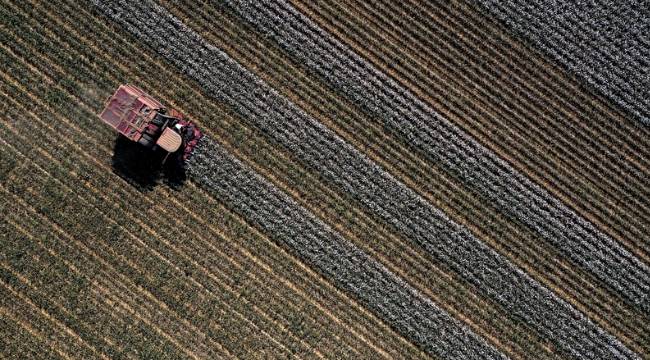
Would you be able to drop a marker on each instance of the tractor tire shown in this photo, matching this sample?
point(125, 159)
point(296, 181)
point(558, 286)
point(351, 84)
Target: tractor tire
point(146, 141)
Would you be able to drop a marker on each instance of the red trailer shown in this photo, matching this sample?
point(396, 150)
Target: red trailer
point(143, 119)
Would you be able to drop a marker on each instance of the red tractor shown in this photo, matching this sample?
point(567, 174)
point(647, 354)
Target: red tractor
point(143, 119)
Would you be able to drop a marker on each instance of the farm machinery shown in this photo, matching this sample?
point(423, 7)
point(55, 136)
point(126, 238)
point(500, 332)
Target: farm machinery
point(142, 119)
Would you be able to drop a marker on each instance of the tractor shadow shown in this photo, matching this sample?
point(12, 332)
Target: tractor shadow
point(144, 168)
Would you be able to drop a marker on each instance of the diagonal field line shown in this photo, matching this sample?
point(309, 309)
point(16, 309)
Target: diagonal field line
point(276, 213)
point(347, 168)
point(441, 142)
point(604, 43)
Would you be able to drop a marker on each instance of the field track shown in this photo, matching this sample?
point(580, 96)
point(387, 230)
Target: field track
point(376, 181)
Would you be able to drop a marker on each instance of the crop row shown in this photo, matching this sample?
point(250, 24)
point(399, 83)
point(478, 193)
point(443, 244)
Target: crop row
point(441, 142)
point(338, 162)
point(170, 221)
point(485, 317)
point(573, 37)
point(89, 129)
point(277, 214)
point(267, 296)
point(500, 123)
point(600, 306)
point(260, 150)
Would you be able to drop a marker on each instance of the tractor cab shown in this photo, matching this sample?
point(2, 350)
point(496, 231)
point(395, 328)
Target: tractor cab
point(143, 119)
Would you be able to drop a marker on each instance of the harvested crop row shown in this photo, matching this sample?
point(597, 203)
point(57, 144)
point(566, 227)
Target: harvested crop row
point(411, 68)
point(313, 143)
point(440, 141)
point(15, 306)
point(104, 155)
point(607, 310)
point(607, 60)
point(393, 253)
point(267, 296)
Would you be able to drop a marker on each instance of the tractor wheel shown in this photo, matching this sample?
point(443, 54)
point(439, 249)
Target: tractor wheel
point(146, 141)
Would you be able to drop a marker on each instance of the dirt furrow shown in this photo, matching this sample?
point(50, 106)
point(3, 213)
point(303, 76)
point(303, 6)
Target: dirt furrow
point(90, 258)
point(23, 281)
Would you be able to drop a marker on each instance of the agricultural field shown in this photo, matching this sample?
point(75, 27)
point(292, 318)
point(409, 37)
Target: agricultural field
point(376, 180)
